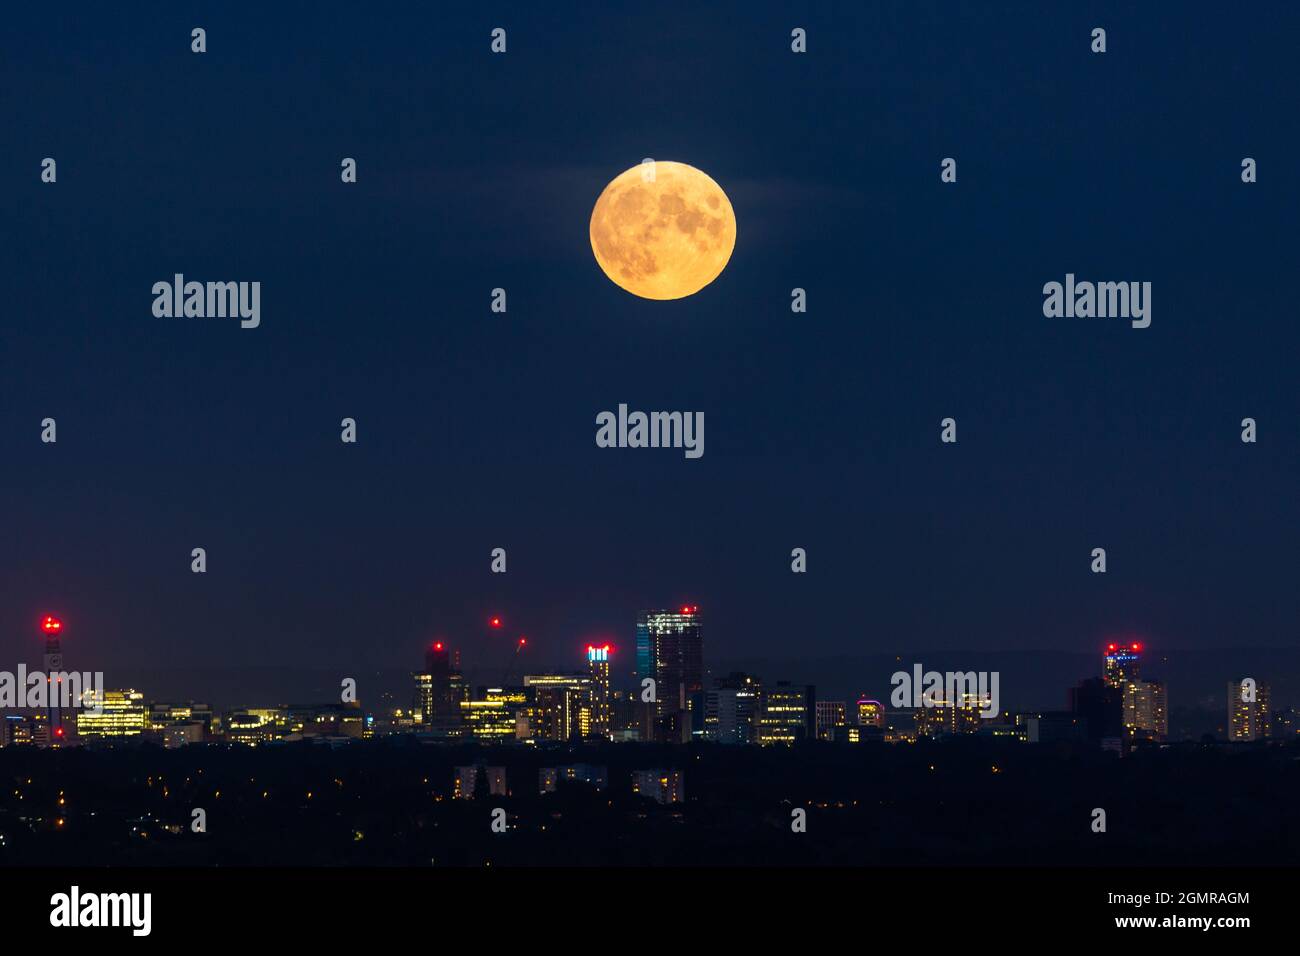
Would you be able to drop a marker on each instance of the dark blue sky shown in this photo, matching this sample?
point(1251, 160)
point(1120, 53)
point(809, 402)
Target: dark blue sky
point(477, 430)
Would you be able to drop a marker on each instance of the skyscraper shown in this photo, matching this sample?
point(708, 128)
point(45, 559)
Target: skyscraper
point(53, 662)
point(1123, 663)
point(1144, 702)
point(1248, 713)
point(441, 689)
point(670, 649)
point(598, 669)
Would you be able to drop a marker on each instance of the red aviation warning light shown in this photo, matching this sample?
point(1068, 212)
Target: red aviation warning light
point(437, 645)
point(51, 624)
point(495, 622)
point(523, 641)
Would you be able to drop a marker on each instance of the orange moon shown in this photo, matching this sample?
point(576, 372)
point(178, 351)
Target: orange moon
point(663, 230)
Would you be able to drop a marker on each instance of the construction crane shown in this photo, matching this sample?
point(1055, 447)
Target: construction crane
point(510, 667)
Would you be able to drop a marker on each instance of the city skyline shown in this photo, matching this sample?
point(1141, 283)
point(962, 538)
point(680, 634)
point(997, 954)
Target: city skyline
point(1124, 702)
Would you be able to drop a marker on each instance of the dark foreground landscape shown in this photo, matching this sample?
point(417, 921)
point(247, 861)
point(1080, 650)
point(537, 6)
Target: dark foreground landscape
point(392, 803)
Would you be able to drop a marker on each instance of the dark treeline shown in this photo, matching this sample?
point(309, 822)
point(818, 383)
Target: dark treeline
point(955, 801)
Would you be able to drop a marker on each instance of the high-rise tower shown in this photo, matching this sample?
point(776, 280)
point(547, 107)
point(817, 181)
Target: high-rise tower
point(671, 650)
point(53, 663)
point(1123, 664)
point(598, 668)
point(441, 688)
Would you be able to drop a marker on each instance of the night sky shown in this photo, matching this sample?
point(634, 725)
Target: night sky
point(476, 430)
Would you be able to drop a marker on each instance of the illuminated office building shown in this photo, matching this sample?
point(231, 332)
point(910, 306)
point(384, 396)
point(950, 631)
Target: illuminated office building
point(830, 714)
point(546, 718)
point(670, 649)
point(122, 714)
point(327, 720)
point(786, 714)
point(441, 688)
point(961, 716)
point(259, 725)
point(871, 713)
point(17, 729)
point(163, 715)
point(493, 719)
point(855, 734)
point(731, 709)
point(423, 701)
point(1248, 719)
point(562, 705)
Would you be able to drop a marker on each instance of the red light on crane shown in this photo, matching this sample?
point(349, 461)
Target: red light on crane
point(495, 622)
point(51, 624)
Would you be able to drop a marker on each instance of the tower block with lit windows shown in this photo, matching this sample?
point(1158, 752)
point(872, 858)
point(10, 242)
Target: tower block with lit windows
point(1144, 701)
point(598, 669)
point(52, 661)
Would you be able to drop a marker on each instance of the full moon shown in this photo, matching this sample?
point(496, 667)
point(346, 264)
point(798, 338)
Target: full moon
point(663, 230)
